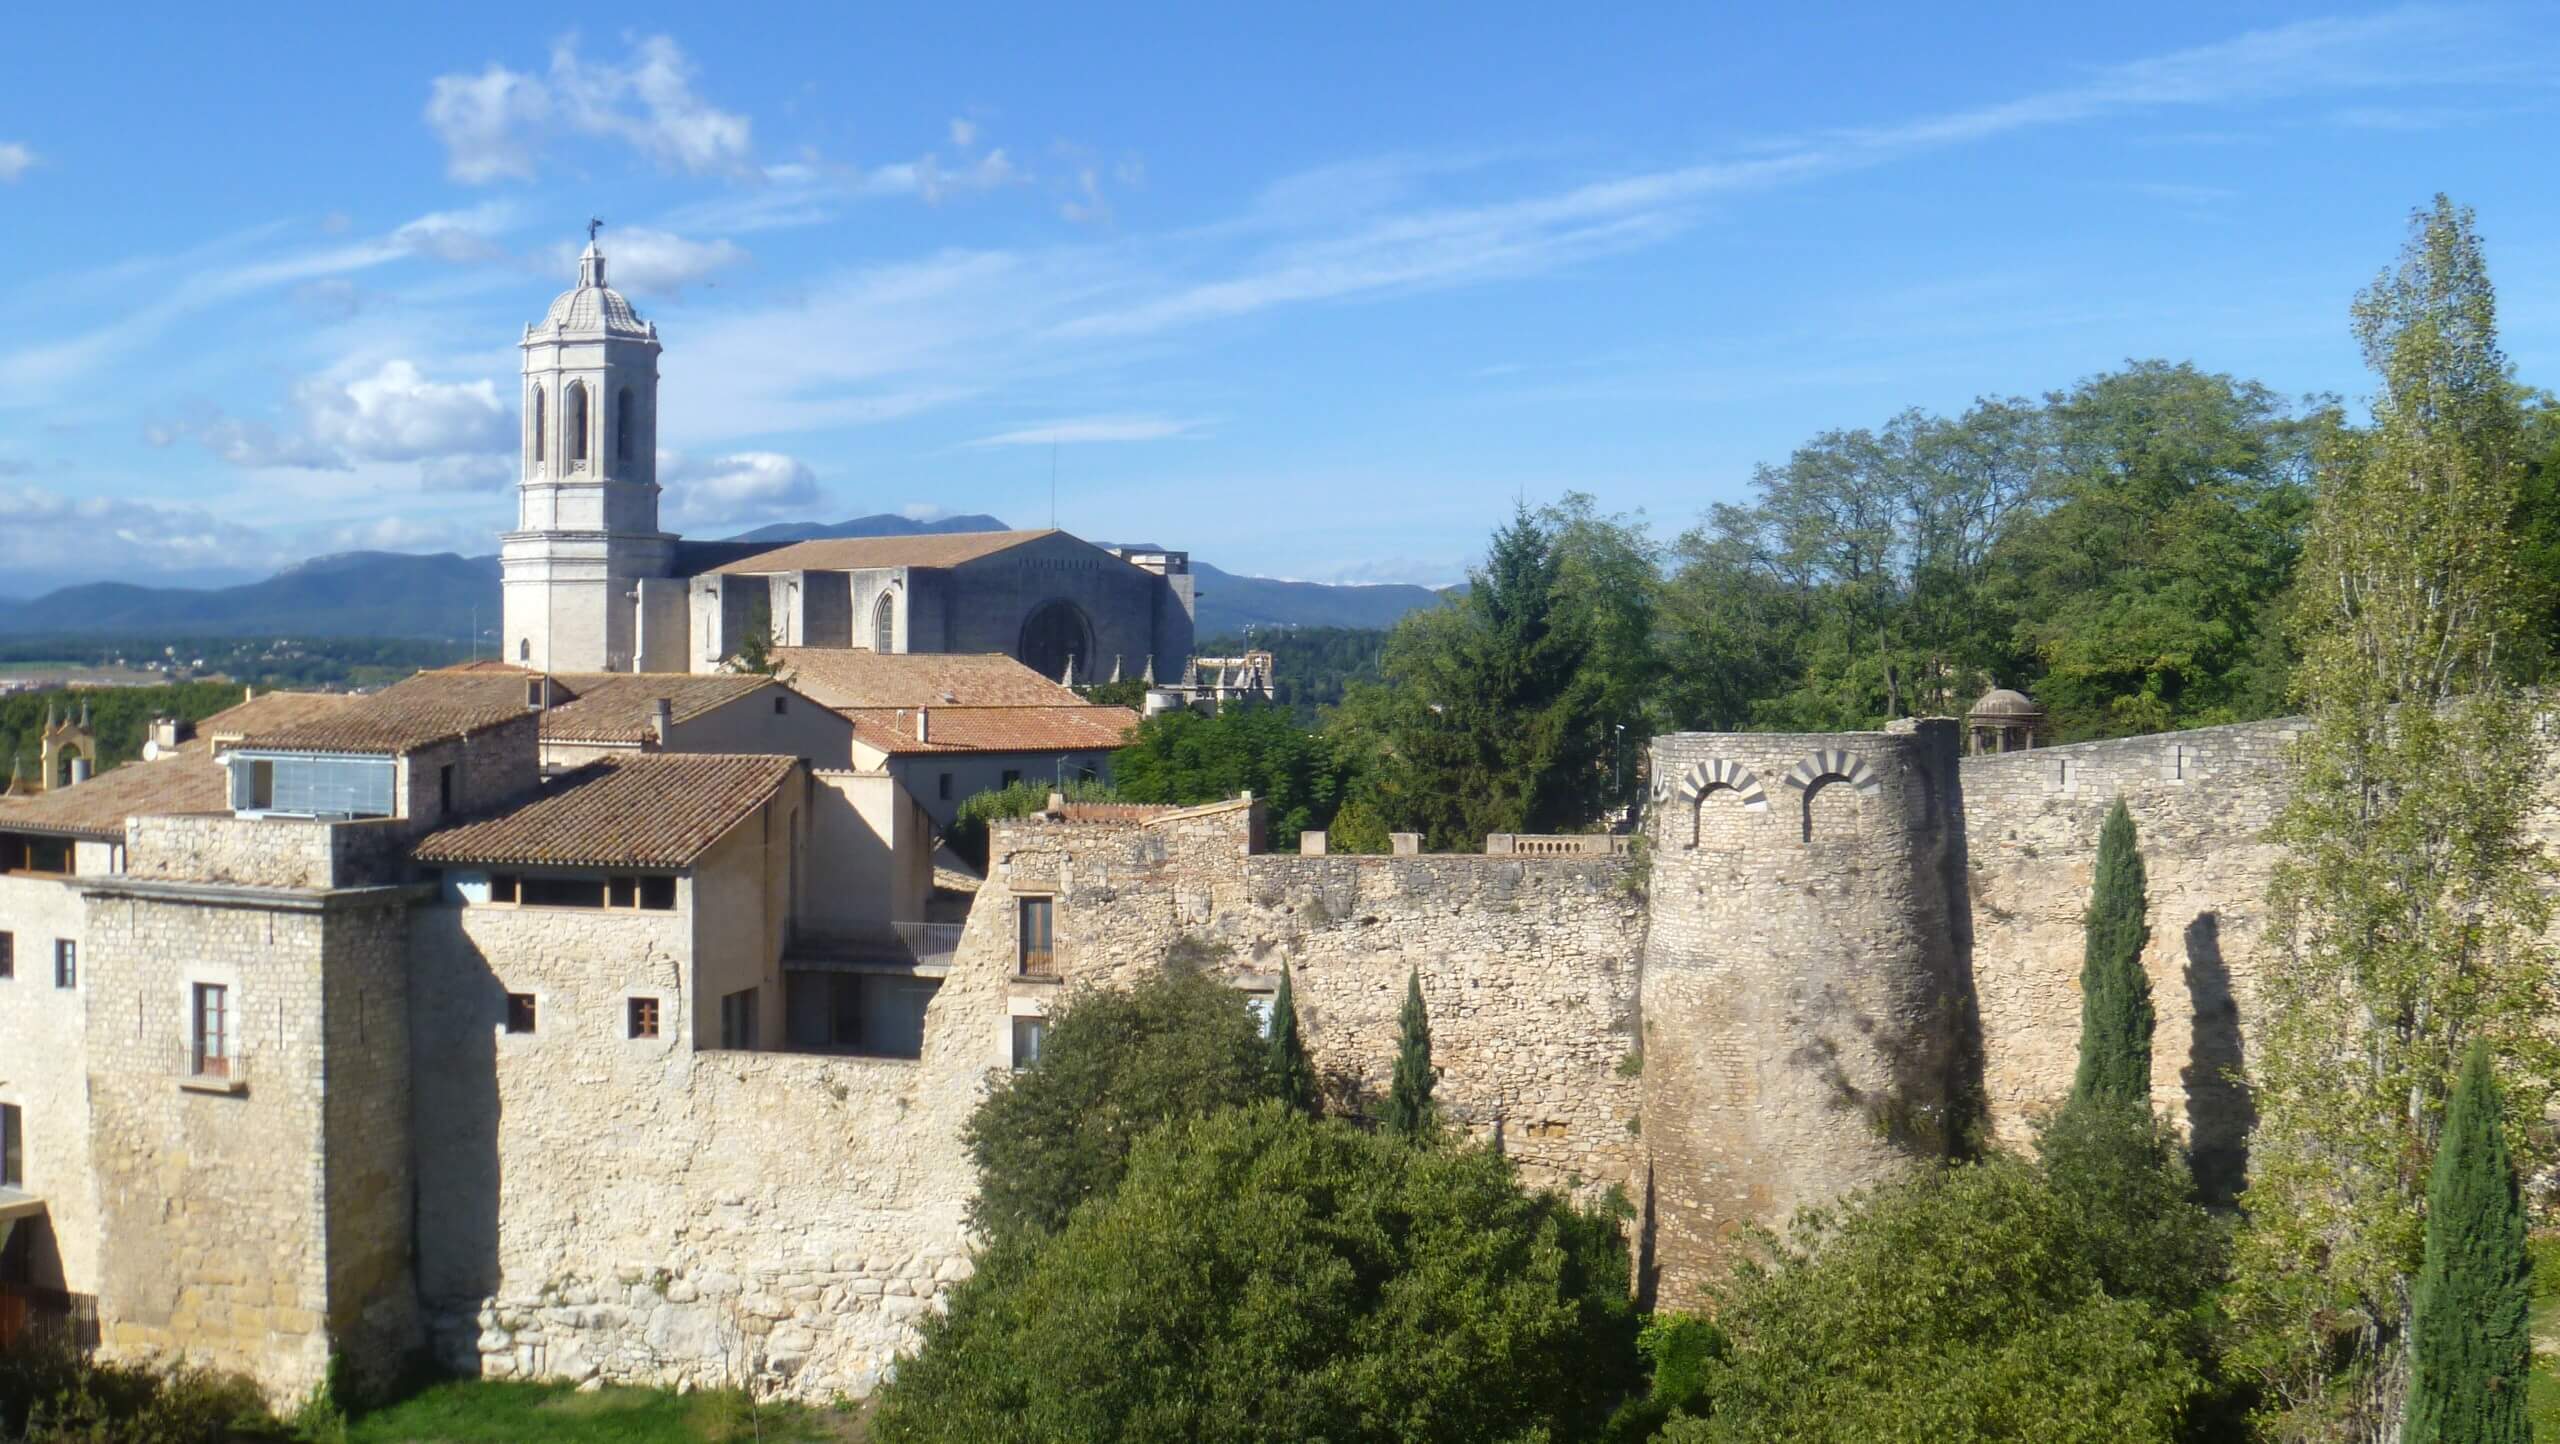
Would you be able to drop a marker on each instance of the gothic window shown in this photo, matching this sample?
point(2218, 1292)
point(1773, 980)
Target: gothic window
point(533, 430)
point(622, 425)
point(884, 623)
point(524, 649)
point(1056, 637)
point(573, 417)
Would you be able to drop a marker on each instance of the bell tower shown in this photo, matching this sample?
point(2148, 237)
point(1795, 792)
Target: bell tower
point(586, 531)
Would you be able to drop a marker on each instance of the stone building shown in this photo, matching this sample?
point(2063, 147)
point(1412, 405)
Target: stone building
point(593, 583)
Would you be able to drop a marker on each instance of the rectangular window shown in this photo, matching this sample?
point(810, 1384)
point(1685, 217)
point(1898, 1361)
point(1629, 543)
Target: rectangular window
point(51, 854)
point(942, 787)
point(1012, 775)
point(66, 963)
point(502, 887)
point(781, 706)
point(1039, 940)
point(621, 892)
point(561, 892)
point(1028, 1035)
point(444, 790)
point(880, 1015)
point(314, 786)
point(658, 894)
point(643, 1015)
point(520, 1012)
point(8, 955)
point(738, 1019)
point(212, 1044)
point(262, 785)
point(13, 1148)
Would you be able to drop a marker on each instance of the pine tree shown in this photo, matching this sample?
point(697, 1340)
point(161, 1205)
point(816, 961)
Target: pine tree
point(2115, 994)
point(2468, 1339)
point(1291, 1074)
point(1409, 1110)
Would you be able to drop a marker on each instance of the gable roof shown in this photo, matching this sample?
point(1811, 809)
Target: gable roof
point(272, 712)
point(615, 706)
point(843, 678)
point(649, 809)
point(1080, 728)
point(425, 709)
point(860, 553)
point(185, 780)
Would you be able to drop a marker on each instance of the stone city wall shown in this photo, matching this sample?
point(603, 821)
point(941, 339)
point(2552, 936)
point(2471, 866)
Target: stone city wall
point(1528, 965)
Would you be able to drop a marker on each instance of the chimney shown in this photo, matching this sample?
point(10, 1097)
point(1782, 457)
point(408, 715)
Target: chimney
point(79, 770)
point(924, 724)
point(661, 716)
point(167, 732)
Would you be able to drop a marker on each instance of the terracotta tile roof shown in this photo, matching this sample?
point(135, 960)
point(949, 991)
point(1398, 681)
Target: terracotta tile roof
point(273, 712)
point(1079, 728)
point(856, 553)
point(614, 706)
point(187, 780)
point(486, 664)
point(650, 809)
point(428, 708)
point(843, 678)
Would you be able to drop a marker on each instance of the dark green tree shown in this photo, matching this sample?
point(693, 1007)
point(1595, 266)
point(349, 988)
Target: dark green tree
point(2470, 1349)
point(1184, 758)
point(755, 654)
point(1409, 1112)
point(1262, 1277)
point(1293, 1078)
point(1114, 1065)
point(2115, 994)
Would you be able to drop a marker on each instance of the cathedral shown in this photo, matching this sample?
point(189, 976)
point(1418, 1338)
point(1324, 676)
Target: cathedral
point(592, 584)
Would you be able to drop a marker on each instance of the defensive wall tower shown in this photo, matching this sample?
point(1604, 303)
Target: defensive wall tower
point(1806, 994)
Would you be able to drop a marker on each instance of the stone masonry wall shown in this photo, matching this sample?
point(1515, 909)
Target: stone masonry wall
point(1528, 966)
point(44, 1070)
point(1804, 986)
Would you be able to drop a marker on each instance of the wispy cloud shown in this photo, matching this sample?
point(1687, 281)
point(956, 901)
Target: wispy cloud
point(15, 160)
point(1083, 429)
point(498, 124)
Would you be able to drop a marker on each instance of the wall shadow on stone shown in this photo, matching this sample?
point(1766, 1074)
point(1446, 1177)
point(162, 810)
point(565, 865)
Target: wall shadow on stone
point(1968, 1096)
point(2220, 1108)
point(456, 1008)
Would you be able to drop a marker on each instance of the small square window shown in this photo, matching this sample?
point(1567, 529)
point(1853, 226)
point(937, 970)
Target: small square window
point(942, 787)
point(658, 894)
point(66, 963)
point(621, 892)
point(1028, 1035)
point(520, 1012)
point(502, 887)
point(642, 1014)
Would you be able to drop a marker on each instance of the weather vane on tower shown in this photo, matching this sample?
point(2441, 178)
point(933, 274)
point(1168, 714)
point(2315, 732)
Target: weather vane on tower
point(593, 226)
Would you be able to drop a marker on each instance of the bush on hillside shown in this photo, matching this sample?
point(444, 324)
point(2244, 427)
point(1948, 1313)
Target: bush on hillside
point(1114, 1065)
point(1261, 1276)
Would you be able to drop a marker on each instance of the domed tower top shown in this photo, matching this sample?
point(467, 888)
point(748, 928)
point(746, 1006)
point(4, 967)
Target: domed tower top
point(2005, 720)
point(592, 308)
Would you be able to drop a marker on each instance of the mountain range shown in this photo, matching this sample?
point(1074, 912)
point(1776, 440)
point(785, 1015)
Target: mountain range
point(402, 594)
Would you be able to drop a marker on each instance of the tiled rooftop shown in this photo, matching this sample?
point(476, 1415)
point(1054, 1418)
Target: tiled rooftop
point(1080, 728)
point(428, 708)
point(615, 706)
point(649, 809)
point(273, 712)
point(857, 553)
point(187, 780)
point(843, 678)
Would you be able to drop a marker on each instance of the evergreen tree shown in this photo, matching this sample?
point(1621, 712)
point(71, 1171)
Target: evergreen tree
point(2404, 915)
point(1293, 1078)
point(2115, 994)
point(1409, 1112)
point(2468, 1339)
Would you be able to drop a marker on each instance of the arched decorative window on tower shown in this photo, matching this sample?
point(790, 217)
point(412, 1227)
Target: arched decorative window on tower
point(884, 623)
point(622, 425)
point(533, 430)
point(573, 416)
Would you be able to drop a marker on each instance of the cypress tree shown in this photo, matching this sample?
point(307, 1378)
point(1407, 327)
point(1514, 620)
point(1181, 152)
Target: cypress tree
point(2115, 995)
point(2469, 1348)
point(1292, 1076)
point(1408, 1109)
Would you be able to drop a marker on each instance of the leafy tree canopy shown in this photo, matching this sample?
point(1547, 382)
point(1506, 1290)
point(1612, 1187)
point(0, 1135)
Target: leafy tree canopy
point(1184, 757)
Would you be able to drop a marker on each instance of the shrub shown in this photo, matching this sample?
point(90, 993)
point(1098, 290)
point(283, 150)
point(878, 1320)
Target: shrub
point(1114, 1065)
point(1264, 1276)
point(967, 834)
point(56, 1395)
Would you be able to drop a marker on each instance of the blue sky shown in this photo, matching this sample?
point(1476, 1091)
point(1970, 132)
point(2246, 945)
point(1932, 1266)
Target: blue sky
point(1314, 292)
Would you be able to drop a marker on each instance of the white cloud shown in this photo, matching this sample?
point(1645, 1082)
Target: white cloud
point(114, 537)
point(923, 511)
point(15, 160)
point(1094, 428)
point(495, 125)
point(935, 181)
point(462, 237)
point(466, 473)
point(964, 133)
point(393, 414)
point(660, 262)
point(407, 534)
point(745, 486)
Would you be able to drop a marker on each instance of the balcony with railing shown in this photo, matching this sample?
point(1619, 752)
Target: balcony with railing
point(923, 946)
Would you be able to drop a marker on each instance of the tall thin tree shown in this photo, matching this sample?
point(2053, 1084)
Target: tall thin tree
point(2115, 994)
point(2469, 1349)
point(1409, 1111)
point(2405, 915)
point(1291, 1074)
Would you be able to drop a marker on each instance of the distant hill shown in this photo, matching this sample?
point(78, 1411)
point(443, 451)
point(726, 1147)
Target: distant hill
point(398, 594)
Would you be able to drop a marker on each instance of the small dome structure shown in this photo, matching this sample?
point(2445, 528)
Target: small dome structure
point(592, 306)
point(2005, 720)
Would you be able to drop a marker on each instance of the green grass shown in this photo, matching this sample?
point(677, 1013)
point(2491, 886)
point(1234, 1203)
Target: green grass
point(497, 1412)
